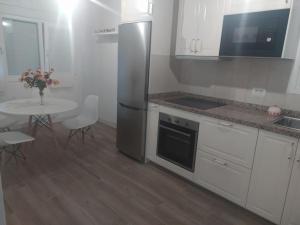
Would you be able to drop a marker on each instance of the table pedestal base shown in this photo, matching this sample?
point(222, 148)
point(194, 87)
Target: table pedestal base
point(36, 121)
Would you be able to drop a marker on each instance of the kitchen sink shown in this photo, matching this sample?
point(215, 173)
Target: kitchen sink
point(288, 122)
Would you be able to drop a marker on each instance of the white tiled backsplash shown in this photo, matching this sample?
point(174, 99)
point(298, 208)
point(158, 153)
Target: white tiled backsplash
point(236, 79)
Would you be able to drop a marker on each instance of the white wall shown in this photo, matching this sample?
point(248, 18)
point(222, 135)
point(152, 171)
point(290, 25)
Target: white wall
point(103, 72)
point(46, 10)
point(162, 78)
point(103, 58)
point(235, 80)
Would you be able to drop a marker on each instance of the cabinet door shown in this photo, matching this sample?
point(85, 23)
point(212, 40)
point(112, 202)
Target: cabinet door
point(210, 22)
point(291, 214)
point(270, 178)
point(152, 131)
point(136, 10)
point(187, 27)
point(219, 138)
point(222, 177)
point(244, 6)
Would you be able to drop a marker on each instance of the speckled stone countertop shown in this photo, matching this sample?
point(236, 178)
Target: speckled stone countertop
point(236, 112)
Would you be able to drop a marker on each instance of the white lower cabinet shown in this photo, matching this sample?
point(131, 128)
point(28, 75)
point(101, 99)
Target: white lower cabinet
point(222, 177)
point(152, 131)
point(291, 214)
point(269, 186)
point(233, 142)
point(271, 173)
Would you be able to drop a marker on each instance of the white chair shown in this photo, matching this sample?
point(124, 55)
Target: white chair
point(6, 122)
point(83, 123)
point(11, 142)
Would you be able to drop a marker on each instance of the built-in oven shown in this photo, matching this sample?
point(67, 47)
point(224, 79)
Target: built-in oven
point(258, 34)
point(177, 141)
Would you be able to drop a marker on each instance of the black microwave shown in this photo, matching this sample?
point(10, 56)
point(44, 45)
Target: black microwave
point(258, 34)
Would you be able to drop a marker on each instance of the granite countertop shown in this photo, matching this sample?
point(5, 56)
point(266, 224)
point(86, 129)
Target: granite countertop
point(241, 113)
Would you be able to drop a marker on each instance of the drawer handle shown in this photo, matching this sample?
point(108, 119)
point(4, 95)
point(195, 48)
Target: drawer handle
point(222, 163)
point(226, 124)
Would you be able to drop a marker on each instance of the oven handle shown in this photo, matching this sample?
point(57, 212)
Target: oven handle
point(175, 131)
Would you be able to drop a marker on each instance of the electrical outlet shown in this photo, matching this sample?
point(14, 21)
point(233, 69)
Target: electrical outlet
point(259, 92)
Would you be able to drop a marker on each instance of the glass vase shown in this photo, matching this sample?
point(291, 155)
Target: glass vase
point(42, 98)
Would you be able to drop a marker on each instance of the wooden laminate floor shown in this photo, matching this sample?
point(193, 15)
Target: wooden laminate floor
point(93, 184)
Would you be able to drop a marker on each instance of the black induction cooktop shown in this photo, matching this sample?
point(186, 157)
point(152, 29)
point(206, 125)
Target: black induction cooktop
point(196, 103)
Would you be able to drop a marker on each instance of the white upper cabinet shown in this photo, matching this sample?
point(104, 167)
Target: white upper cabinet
point(291, 214)
point(244, 6)
point(271, 173)
point(199, 27)
point(136, 10)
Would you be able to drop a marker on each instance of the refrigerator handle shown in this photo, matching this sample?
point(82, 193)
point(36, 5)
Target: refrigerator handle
point(130, 107)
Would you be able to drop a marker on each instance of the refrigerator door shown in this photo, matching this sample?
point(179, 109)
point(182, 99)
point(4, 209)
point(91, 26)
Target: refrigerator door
point(131, 133)
point(134, 60)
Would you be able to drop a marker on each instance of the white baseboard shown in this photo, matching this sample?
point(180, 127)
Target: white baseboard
point(110, 124)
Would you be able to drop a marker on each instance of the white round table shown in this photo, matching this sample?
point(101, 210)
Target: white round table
point(39, 115)
point(32, 107)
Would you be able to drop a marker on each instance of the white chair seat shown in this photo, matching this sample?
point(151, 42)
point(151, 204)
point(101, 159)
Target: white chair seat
point(15, 138)
point(2, 144)
point(83, 123)
point(78, 122)
point(6, 121)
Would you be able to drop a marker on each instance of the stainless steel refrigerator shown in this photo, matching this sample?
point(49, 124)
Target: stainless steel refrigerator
point(133, 81)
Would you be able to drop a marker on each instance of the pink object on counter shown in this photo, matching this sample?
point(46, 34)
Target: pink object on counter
point(274, 111)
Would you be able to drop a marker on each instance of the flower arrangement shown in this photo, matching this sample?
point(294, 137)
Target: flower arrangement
point(38, 79)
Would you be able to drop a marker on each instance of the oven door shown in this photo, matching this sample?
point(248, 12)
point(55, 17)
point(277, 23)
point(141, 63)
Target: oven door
point(177, 145)
point(259, 34)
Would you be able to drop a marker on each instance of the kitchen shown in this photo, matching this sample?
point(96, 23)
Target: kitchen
point(205, 92)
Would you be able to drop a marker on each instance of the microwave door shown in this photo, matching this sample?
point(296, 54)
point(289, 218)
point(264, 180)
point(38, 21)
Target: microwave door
point(260, 34)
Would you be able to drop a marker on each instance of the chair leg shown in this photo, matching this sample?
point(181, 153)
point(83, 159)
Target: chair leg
point(83, 135)
point(15, 152)
point(92, 132)
point(2, 159)
point(69, 138)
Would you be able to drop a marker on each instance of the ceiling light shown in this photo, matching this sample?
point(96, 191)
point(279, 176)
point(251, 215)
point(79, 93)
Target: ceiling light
point(6, 24)
point(67, 6)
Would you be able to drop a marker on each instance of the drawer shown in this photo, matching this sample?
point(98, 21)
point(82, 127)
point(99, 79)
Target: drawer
point(222, 177)
point(229, 141)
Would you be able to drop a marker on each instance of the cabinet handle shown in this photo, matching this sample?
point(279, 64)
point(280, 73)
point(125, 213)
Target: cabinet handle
point(222, 163)
point(226, 124)
point(191, 45)
point(292, 153)
point(150, 7)
point(196, 47)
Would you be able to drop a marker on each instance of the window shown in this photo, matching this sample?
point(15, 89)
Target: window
point(22, 44)
point(28, 44)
